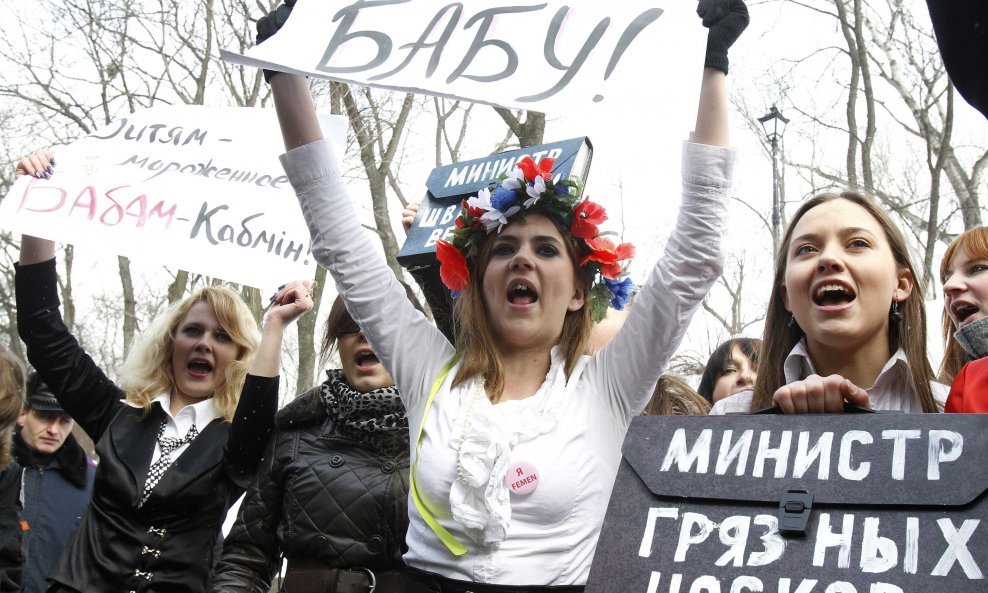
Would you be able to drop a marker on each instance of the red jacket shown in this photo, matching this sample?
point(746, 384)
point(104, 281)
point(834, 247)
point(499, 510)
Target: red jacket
point(969, 391)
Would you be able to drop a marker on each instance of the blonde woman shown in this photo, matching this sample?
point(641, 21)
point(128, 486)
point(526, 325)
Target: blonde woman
point(177, 441)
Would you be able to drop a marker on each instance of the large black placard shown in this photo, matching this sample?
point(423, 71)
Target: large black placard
point(898, 505)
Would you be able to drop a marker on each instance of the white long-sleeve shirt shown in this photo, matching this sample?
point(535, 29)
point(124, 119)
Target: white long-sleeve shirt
point(571, 430)
point(893, 389)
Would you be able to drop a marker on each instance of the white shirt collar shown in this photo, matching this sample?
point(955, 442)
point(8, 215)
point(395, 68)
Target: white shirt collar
point(798, 365)
point(200, 413)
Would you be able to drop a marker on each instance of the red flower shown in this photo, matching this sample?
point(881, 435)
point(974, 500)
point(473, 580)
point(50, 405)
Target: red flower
point(531, 170)
point(586, 216)
point(453, 266)
point(604, 251)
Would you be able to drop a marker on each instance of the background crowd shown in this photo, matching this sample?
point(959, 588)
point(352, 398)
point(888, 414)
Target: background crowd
point(399, 471)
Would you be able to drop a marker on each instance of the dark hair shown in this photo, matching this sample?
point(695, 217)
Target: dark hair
point(340, 322)
point(719, 359)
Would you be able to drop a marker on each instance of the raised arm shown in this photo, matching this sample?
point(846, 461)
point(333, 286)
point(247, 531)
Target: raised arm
point(39, 164)
point(630, 365)
point(290, 302)
point(726, 20)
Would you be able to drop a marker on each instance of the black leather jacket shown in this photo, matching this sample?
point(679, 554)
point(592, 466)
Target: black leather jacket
point(167, 544)
point(322, 495)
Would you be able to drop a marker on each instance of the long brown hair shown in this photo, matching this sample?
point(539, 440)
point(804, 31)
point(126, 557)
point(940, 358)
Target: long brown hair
point(974, 242)
point(475, 343)
point(780, 338)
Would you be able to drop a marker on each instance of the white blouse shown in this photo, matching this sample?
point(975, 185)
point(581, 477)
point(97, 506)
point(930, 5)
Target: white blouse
point(570, 430)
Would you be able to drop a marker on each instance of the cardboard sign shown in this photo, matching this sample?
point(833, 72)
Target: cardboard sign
point(448, 185)
point(877, 503)
point(186, 186)
point(544, 56)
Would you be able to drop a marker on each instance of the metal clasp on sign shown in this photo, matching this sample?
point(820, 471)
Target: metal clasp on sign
point(794, 512)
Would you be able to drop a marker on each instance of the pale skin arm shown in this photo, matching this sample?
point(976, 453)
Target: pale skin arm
point(288, 304)
point(296, 112)
point(820, 395)
point(712, 126)
point(38, 164)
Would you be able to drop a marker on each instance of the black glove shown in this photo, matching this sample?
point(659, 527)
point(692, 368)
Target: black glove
point(269, 24)
point(726, 19)
point(712, 11)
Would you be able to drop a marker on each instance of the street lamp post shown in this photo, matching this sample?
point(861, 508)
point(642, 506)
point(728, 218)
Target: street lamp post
point(774, 124)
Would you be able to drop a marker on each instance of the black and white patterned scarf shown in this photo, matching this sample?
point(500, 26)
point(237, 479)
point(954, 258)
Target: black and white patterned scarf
point(377, 416)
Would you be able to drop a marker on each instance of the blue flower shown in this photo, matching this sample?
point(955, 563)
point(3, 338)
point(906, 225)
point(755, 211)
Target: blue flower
point(503, 198)
point(562, 190)
point(621, 289)
point(454, 294)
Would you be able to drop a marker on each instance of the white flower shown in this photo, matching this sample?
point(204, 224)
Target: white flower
point(482, 200)
point(514, 181)
point(494, 219)
point(535, 191)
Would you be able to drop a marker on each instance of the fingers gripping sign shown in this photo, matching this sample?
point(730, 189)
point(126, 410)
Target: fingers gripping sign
point(820, 395)
point(39, 164)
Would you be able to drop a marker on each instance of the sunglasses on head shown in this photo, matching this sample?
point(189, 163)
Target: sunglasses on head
point(347, 327)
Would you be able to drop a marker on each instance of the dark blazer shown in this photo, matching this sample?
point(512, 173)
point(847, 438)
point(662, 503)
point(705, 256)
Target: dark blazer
point(167, 544)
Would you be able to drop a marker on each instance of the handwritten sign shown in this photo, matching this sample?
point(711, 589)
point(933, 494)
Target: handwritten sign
point(878, 503)
point(186, 186)
point(544, 56)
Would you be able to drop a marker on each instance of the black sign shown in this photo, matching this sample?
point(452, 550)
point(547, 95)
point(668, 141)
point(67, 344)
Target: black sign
point(448, 185)
point(876, 503)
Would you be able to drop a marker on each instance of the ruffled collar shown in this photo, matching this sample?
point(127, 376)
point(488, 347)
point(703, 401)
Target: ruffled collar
point(484, 437)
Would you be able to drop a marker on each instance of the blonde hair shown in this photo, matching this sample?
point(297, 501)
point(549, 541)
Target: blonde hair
point(147, 372)
point(674, 397)
point(475, 341)
point(12, 398)
point(974, 242)
point(780, 337)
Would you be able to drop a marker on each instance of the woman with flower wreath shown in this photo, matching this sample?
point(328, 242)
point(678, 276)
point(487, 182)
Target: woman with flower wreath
point(516, 432)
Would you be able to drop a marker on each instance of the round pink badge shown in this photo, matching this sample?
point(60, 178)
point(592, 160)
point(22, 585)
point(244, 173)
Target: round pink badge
point(522, 479)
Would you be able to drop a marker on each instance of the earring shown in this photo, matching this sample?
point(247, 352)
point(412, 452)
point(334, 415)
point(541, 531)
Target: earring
point(894, 313)
point(794, 326)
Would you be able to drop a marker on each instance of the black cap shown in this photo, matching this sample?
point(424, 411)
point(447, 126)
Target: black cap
point(39, 396)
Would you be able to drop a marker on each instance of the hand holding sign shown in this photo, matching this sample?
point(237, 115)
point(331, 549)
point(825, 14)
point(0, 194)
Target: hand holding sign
point(269, 24)
point(726, 19)
point(38, 164)
point(820, 395)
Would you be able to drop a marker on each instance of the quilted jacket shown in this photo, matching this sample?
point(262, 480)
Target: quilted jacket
point(323, 495)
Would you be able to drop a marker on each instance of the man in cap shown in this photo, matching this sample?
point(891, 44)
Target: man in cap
point(58, 481)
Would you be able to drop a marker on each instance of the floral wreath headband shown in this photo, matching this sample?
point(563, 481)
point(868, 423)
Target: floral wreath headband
point(530, 189)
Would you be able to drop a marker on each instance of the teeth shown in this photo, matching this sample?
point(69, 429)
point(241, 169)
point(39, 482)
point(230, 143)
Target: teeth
point(520, 287)
point(829, 288)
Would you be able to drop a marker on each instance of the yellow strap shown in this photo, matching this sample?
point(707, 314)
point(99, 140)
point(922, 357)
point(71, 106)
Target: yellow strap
point(451, 543)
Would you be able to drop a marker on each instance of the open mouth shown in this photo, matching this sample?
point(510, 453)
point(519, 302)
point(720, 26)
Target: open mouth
point(199, 367)
point(964, 312)
point(366, 359)
point(832, 294)
point(522, 294)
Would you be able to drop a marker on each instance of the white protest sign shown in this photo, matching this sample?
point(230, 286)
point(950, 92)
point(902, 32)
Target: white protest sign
point(547, 56)
point(186, 186)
